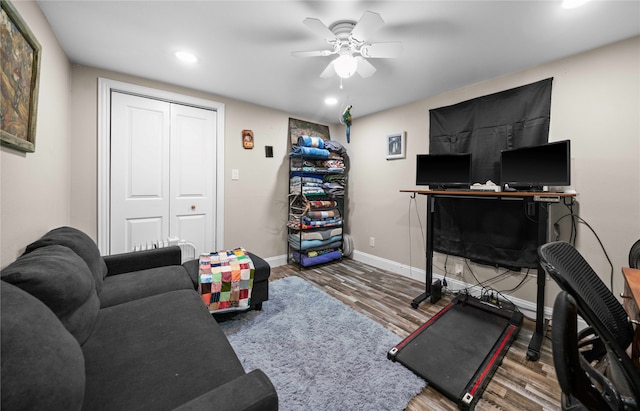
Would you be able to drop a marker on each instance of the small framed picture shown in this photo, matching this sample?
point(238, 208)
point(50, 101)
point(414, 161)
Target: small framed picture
point(396, 143)
point(247, 139)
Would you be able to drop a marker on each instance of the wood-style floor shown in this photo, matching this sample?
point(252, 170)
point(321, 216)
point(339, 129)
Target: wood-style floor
point(385, 297)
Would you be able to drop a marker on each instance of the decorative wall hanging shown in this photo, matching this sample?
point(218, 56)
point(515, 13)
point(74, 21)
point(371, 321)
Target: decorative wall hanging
point(247, 139)
point(20, 77)
point(299, 128)
point(396, 143)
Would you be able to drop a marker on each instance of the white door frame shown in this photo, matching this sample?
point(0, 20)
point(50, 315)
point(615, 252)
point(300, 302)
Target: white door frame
point(105, 87)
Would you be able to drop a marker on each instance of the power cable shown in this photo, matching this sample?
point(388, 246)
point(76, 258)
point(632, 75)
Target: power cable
point(583, 221)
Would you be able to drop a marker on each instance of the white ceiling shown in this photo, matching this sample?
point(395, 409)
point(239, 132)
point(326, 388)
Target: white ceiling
point(244, 47)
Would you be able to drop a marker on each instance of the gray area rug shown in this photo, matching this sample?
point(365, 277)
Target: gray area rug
point(319, 353)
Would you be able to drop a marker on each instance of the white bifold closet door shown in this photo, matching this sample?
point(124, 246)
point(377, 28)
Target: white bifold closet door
point(163, 165)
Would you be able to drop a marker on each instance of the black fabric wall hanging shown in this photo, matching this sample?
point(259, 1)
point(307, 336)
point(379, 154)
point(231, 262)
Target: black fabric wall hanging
point(484, 126)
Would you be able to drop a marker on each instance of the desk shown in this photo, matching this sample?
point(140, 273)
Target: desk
point(538, 198)
point(631, 302)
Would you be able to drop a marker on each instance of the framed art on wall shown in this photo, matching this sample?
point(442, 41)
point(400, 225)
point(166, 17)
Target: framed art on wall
point(298, 128)
point(20, 69)
point(396, 143)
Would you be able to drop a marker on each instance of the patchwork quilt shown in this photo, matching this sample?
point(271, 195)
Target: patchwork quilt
point(225, 280)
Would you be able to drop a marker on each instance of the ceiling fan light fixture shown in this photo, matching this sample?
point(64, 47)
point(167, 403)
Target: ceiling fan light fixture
point(345, 65)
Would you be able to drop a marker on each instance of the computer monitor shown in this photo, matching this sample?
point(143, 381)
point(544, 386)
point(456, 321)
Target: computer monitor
point(532, 168)
point(443, 170)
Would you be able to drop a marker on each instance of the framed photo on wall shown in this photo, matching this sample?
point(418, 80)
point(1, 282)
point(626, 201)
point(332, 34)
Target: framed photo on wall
point(20, 69)
point(396, 143)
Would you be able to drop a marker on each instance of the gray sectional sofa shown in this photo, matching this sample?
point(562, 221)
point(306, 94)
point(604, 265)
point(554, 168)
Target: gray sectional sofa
point(122, 332)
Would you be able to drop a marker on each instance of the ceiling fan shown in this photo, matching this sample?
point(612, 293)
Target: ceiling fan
point(348, 40)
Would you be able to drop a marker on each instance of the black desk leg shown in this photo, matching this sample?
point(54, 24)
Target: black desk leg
point(533, 353)
point(429, 255)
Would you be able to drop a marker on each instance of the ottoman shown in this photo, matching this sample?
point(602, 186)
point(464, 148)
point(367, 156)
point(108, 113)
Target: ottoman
point(261, 273)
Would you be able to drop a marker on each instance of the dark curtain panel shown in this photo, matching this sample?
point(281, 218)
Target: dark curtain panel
point(487, 231)
point(492, 232)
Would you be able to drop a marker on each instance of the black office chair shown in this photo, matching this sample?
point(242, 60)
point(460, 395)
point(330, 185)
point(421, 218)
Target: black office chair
point(583, 386)
point(608, 336)
point(634, 255)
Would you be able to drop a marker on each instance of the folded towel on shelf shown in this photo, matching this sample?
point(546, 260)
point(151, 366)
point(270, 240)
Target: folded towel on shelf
point(309, 141)
point(298, 244)
point(336, 178)
point(307, 175)
point(335, 147)
point(296, 180)
point(337, 164)
point(313, 152)
point(333, 189)
point(333, 244)
point(317, 204)
point(307, 222)
point(320, 234)
point(299, 223)
point(306, 190)
point(323, 213)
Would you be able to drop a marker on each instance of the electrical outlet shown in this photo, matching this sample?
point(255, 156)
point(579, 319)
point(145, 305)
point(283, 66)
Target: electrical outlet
point(458, 269)
point(372, 241)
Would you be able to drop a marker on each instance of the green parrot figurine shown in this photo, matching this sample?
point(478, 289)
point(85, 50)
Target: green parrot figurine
point(346, 117)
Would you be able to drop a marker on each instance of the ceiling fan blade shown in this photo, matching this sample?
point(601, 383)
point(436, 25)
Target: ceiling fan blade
point(368, 23)
point(312, 53)
point(320, 28)
point(364, 68)
point(328, 71)
point(391, 49)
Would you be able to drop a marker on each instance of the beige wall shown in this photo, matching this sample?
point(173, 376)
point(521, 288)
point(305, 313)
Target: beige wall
point(35, 186)
point(595, 103)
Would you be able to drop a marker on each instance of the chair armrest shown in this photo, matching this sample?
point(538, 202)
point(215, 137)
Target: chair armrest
point(142, 260)
point(251, 392)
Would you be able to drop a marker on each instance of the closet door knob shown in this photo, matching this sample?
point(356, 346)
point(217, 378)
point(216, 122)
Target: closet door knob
point(193, 207)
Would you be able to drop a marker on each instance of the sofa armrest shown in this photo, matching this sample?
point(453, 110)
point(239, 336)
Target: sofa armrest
point(251, 392)
point(142, 260)
point(193, 268)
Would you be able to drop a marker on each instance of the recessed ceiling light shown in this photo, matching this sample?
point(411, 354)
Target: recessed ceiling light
point(331, 101)
point(572, 4)
point(186, 57)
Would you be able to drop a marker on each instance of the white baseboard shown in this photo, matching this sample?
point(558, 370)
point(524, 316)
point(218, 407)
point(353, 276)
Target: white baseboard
point(277, 261)
point(528, 308)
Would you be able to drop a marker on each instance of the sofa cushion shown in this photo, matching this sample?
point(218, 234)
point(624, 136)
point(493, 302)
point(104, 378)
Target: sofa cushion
point(42, 363)
point(62, 281)
point(160, 351)
point(121, 288)
point(81, 244)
